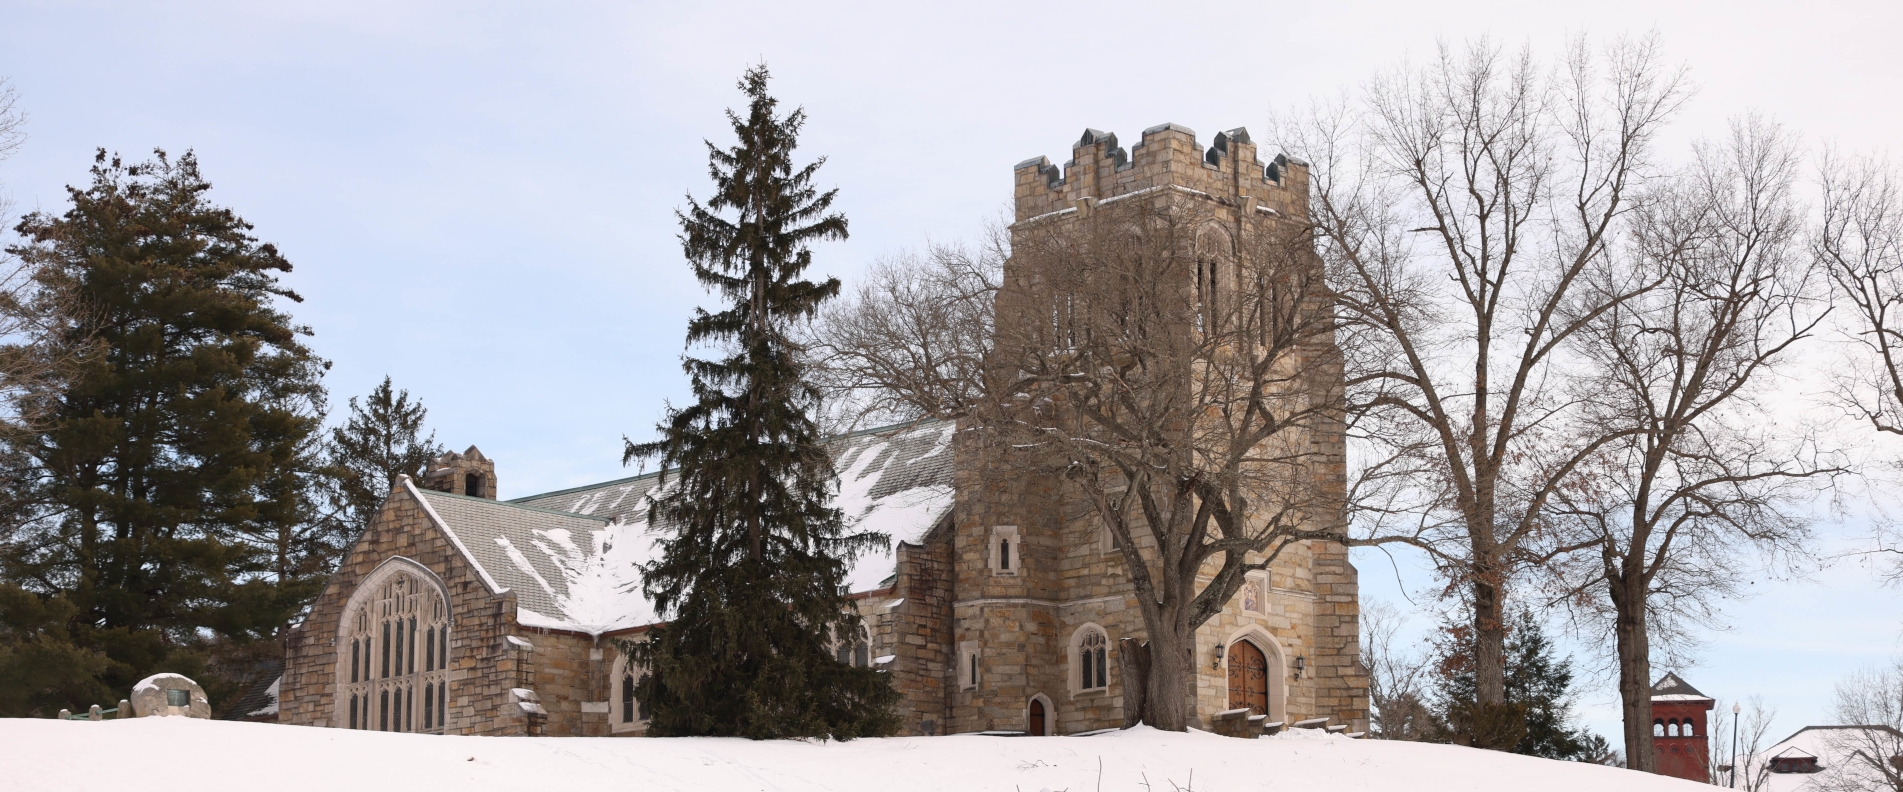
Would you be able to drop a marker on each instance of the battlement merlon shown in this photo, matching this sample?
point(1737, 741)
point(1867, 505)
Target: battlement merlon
point(1168, 155)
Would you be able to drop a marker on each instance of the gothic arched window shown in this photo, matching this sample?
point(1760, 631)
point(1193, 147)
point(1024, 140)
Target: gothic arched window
point(857, 653)
point(393, 658)
point(631, 713)
point(1090, 660)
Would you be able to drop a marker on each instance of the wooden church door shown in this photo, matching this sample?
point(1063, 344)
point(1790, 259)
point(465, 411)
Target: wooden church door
point(1248, 678)
point(1037, 719)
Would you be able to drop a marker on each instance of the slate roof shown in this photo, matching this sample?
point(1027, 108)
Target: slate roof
point(902, 457)
point(1672, 688)
point(260, 702)
point(570, 556)
point(510, 541)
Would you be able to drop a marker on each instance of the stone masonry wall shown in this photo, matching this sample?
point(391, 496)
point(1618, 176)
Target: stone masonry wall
point(1166, 155)
point(482, 666)
point(570, 671)
point(1024, 623)
point(918, 632)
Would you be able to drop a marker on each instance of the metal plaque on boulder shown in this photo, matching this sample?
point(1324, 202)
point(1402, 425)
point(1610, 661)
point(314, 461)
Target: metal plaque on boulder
point(169, 694)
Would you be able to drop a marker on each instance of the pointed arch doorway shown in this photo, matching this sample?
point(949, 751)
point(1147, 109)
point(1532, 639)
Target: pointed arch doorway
point(1248, 678)
point(1036, 719)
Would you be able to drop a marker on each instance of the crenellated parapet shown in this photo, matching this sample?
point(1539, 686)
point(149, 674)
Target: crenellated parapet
point(1099, 169)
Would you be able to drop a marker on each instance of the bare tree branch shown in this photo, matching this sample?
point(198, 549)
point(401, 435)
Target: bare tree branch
point(1464, 208)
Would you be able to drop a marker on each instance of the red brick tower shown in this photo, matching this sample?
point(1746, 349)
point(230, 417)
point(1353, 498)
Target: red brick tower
point(1679, 740)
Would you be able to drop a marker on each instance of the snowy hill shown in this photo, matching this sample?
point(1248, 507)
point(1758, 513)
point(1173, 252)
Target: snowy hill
point(183, 755)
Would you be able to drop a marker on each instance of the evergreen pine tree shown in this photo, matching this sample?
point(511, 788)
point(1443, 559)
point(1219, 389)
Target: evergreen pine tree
point(1537, 719)
point(751, 578)
point(177, 455)
point(382, 439)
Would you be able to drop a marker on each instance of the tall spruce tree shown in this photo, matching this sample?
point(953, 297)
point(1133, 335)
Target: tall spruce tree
point(173, 454)
point(751, 577)
point(382, 438)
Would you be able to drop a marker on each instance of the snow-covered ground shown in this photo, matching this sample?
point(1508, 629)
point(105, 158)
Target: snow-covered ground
point(184, 755)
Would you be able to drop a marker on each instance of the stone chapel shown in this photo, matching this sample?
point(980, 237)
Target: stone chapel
point(998, 607)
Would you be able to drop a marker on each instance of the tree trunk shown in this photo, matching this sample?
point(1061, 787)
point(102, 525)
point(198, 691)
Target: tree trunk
point(1133, 666)
point(1490, 639)
point(1635, 670)
point(1167, 700)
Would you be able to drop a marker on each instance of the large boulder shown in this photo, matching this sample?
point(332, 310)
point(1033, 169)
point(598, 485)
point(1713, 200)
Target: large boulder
point(169, 694)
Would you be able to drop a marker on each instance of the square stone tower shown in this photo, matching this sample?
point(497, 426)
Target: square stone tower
point(1036, 581)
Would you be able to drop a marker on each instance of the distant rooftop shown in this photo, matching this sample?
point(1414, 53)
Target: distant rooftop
point(1672, 688)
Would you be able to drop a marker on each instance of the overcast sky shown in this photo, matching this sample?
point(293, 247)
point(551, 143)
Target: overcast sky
point(478, 198)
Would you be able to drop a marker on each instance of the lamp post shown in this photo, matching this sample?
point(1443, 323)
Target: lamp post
point(1734, 746)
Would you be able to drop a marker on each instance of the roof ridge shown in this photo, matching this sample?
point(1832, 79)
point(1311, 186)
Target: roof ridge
point(596, 485)
point(631, 479)
point(513, 505)
point(1878, 726)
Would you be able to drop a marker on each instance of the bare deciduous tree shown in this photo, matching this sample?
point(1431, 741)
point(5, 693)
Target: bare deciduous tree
point(1397, 677)
point(1186, 389)
point(1743, 730)
point(1704, 471)
point(911, 340)
point(29, 355)
point(1461, 208)
point(1179, 374)
point(1870, 757)
point(12, 120)
point(1861, 242)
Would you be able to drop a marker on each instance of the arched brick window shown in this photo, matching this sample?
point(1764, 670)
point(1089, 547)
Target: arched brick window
point(393, 655)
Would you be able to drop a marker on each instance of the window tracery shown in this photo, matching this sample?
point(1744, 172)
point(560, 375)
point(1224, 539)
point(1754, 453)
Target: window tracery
point(1092, 659)
point(629, 713)
point(393, 660)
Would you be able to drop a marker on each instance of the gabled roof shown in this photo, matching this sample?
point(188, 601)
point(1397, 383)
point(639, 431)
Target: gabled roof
point(1671, 688)
point(508, 541)
point(261, 699)
point(571, 556)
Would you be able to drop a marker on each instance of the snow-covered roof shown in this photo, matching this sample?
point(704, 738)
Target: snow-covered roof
point(1833, 747)
point(261, 699)
point(570, 556)
point(515, 545)
point(1671, 688)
